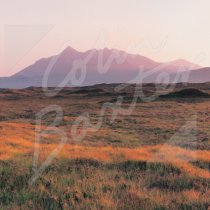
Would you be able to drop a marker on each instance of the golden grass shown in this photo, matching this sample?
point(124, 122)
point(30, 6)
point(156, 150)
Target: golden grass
point(18, 138)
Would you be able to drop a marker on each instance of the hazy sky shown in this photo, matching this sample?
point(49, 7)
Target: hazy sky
point(163, 30)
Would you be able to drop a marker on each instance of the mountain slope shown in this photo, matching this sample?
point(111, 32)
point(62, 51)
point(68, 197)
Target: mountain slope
point(186, 65)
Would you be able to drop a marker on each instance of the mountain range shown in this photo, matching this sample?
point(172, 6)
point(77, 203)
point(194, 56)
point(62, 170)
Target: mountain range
point(75, 68)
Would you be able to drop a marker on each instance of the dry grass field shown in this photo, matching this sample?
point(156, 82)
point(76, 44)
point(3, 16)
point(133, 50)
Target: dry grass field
point(156, 157)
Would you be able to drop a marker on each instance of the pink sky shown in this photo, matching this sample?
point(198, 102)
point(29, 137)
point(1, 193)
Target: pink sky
point(163, 30)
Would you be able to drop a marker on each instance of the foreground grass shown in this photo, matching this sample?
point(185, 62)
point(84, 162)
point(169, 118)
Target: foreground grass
point(162, 176)
point(90, 184)
point(154, 158)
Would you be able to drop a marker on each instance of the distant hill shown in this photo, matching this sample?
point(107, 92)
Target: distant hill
point(102, 66)
point(187, 93)
point(186, 65)
point(199, 76)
